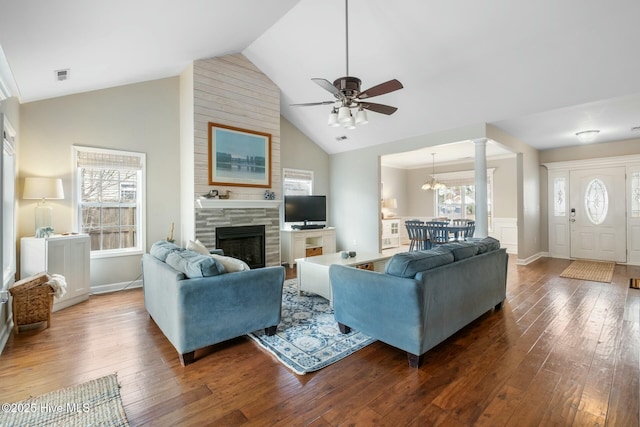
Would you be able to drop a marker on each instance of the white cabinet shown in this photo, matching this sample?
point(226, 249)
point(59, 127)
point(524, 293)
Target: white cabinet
point(390, 233)
point(306, 243)
point(64, 255)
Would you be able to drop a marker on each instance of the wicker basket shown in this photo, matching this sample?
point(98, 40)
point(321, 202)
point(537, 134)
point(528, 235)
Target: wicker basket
point(32, 300)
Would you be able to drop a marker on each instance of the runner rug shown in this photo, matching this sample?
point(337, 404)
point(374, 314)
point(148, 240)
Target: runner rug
point(307, 338)
point(94, 403)
point(590, 270)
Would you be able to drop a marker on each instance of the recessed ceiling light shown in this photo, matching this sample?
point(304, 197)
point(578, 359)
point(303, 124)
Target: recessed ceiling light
point(635, 128)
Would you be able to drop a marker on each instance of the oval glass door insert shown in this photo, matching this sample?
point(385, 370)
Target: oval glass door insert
point(596, 201)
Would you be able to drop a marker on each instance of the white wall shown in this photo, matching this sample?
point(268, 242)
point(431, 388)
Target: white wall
point(142, 117)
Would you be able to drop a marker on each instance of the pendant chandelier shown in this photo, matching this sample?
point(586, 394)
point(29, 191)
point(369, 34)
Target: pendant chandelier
point(432, 183)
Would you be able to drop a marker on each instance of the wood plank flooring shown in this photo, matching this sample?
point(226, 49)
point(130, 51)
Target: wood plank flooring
point(560, 352)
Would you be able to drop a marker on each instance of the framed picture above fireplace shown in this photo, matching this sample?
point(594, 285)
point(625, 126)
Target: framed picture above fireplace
point(239, 157)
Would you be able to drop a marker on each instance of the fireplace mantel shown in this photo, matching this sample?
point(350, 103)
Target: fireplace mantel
point(203, 203)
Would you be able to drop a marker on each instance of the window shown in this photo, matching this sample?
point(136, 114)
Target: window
point(559, 197)
point(8, 181)
point(110, 199)
point(458, 200)
point(297, 182)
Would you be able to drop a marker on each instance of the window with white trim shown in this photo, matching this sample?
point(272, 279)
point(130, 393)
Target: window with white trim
point(110, 200)
point(296, 182)
point(7, 189)
point(458, 199)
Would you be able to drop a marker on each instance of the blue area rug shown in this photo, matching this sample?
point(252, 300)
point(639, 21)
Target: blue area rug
point(307, 338)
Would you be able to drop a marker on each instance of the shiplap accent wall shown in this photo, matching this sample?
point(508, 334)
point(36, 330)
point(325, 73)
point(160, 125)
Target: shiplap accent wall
point(230, 90)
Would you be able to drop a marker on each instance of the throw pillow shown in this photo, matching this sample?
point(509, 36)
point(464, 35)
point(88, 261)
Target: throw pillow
point(197, 246)
point(193, 264)
point(231, 264)
point(162, 249)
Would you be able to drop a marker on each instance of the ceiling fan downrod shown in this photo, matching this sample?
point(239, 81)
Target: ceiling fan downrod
point(346, 20)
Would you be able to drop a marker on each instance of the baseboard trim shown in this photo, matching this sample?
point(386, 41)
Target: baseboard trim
point(115, 287)
point(532, 258)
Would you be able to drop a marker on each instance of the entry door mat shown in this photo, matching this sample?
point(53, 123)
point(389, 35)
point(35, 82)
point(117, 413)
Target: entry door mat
point(590, 270)
point(308, 338)
point(94, 403)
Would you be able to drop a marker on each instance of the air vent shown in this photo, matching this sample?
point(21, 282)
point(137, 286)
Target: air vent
point(635, 129)
point(62, 75)
point(341, 138)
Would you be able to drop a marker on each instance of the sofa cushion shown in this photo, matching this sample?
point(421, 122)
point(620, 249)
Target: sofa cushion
point(460, 250)
point(197, 246)
point(231, 265)
point(408, 264)
point(161, 249)
point(193, 264)
point(492, 244)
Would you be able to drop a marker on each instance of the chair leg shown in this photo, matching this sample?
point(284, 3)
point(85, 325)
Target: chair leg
point(187, 358)
point(414, 360)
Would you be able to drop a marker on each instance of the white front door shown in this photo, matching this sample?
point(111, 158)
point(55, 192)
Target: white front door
point(597, 214)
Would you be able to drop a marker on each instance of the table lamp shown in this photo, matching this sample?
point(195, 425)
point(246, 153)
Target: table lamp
point(43, 189)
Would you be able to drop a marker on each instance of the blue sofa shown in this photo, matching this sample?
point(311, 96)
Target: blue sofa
point(423, 297)
point(195, 303)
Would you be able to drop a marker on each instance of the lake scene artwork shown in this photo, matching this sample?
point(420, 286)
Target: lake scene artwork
point(239, 157)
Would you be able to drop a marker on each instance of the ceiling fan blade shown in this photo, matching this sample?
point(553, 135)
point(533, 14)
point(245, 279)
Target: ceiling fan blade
point(328, 86)
point(379, 108)
point(381, 89)
point(309, 104)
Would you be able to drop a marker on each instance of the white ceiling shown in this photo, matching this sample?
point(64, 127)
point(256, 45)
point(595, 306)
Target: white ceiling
point(540, 70)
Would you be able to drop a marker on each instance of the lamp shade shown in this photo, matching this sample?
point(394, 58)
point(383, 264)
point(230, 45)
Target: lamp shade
point(43, 188)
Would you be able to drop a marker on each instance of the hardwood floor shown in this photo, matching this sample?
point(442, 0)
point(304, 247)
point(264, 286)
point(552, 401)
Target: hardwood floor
point(560, 352)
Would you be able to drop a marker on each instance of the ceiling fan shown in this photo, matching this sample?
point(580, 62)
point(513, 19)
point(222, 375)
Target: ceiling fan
point(348, 94)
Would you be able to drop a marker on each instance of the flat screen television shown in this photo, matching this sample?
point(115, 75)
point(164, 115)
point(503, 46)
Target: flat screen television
point(305, 209)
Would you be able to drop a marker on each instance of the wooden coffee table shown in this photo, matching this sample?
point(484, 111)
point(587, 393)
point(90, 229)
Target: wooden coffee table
point(313, 272)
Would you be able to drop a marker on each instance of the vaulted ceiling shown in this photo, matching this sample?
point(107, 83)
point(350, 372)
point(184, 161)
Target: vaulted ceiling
point(540, 70)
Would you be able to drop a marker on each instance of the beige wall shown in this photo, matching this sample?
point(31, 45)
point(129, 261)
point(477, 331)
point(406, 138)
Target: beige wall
point(591, 151)
point(142, 117)
point(299, 152)
point(421, 203)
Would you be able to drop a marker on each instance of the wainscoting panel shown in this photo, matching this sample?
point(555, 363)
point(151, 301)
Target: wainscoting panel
point(506, 230)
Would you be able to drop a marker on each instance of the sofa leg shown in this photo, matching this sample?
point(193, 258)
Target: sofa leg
point(344, 328)
point(270, 331)
point(414, 360)
point(498, 306)
point(187, 358)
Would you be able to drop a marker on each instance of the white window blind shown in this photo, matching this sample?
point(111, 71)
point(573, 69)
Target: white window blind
point(297, 182)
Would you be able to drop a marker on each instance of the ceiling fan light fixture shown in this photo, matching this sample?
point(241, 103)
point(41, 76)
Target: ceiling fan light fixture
point(351, 124)
point(587, 136)
point(344, 115)
point(333, 118)
point(361, 117)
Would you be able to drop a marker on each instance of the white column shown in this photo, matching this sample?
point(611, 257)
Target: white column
point(482, 216)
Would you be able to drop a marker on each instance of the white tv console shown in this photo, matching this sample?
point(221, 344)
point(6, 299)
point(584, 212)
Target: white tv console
point(306, 243)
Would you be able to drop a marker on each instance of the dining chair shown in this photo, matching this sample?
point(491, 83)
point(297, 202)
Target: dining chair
point(416, 234)
point(438, 232)
point(471, 228)
point(459, 222)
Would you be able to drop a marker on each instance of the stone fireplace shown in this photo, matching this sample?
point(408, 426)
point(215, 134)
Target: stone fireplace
point(214, 216)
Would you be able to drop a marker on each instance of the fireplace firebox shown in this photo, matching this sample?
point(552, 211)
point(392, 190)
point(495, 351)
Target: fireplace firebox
point(243, 242)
